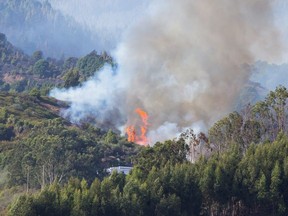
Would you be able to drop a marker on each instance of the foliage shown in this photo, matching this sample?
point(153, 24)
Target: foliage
point(226, 184)
point(38, 147)
point(246, 175)
point(6, 133)
point(35, 93)
point(91, 63)
point(71, 78)
point(22, 73)
point(41, 68)
point(258, 123)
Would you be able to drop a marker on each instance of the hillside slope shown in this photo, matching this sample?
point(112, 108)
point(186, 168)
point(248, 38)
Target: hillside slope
point(33, 133)
point(21, 72)
point(34, 25)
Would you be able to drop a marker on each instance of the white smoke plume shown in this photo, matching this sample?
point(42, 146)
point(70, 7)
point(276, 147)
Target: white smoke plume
point(182, 64)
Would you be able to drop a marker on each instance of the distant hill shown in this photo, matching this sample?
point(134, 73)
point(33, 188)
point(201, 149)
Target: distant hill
point(264, 78)
point(270, 75)
point(250, 94)
point(33, 25)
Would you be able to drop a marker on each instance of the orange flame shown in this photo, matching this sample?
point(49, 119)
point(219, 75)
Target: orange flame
point(131, 129)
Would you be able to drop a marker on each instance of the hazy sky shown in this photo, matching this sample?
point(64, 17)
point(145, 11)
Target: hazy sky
point(110, 18)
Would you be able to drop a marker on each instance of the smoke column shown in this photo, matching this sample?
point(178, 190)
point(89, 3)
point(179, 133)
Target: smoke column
point(182, 64)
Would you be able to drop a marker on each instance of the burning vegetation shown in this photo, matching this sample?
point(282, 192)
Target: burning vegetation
point(137, 132)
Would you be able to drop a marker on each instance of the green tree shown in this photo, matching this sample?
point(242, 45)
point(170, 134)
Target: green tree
point(111, 137)
point(278, 100)
point(34, 92)
point(37, 55)
point(279, 206)
point(89, 64)
point(41, 68)
point(6, 133)
point(170, 205)
point(23, 206)
point(3, 115)
point(71, 78)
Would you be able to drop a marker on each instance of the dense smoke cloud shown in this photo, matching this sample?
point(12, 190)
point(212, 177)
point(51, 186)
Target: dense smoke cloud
point(182, 64)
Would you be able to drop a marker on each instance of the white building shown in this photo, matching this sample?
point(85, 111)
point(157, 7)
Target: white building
point(119, 169)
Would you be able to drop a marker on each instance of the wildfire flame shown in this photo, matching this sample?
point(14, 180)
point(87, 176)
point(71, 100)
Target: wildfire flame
point(131, 130)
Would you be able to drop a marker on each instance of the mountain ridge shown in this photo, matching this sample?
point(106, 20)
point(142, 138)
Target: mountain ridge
point(43, 28)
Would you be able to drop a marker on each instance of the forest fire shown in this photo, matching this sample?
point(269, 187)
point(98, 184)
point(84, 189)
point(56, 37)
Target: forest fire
point(132, 131)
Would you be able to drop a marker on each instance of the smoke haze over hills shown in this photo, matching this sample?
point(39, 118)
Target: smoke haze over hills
point(66, 27)
point(182, 64)
point(178, 61)
point(105, 19)
point(76, 27)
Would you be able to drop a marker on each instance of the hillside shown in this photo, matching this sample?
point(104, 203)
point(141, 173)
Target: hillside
point(34, 25)
point(23, 116)
point(202, 127)
point(20, 72)
point(245, 172)
point(36, 141)
point(239, 168)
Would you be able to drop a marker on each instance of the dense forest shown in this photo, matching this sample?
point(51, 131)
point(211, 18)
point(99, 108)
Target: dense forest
point(50, 166)
point(246, 173)
point(38, 147)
